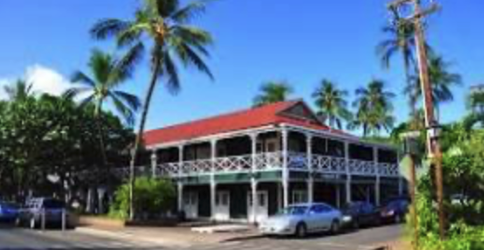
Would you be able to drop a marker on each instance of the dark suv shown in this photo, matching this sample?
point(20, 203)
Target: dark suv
point(31, 214)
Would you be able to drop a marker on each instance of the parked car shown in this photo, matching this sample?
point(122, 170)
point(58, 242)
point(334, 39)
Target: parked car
point(301, 219)
point(394, 210)
point(8, 211)
point(360, 213)
point(31, 215)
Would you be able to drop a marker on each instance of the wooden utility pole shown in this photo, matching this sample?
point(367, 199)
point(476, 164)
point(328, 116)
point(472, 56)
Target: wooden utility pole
point(430, 122)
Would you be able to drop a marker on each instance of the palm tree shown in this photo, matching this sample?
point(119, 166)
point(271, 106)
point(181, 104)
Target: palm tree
point(107, 75)
point(441, 82)
point(271, 92)
point(331, 104)
point(166, 26)
point(401, 40)
point(20, 90)
point(374, 108)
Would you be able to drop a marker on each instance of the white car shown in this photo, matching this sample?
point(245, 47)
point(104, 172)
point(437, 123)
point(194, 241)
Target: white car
point(300, 219)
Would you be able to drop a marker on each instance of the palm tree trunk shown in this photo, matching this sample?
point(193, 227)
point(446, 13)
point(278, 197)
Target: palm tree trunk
point(100, 131)
point(139, 135)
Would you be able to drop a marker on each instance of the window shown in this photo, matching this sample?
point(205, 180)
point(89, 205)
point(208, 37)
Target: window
point(299, 196)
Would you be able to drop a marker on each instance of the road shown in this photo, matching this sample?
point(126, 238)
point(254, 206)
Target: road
point(14, 238)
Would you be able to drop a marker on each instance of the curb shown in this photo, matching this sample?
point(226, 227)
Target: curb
point(135, 237)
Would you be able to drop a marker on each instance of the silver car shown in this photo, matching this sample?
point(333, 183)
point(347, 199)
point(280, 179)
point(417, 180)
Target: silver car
point(300, 219)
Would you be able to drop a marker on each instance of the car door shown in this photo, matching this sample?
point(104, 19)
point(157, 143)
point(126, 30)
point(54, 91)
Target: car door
point(321, 217)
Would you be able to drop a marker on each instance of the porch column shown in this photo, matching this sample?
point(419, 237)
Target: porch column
point(253, 181)
point(154, 159)
point(285, 171)
point(213, 185)
point(348, 172)
point(377, 172)
point(309, 154)
point(89, 198)
point(179, 181)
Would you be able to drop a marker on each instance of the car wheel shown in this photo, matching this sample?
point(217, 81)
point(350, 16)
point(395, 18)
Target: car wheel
point(32, 223)
point(335, 227)
point(301, 230)
point(356, 224)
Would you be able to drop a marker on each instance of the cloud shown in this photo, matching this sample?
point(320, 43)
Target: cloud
point(43, 80)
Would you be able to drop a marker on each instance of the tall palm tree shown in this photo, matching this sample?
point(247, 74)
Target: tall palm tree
point(331, 104)
point(20, 90)
point(401, 40)
point(166, 26)
point(107, 73)
point(374, 108)
point(271, 92)
point(441, 79)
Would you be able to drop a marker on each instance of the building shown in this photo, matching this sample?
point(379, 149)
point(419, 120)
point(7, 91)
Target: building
point(245, 165)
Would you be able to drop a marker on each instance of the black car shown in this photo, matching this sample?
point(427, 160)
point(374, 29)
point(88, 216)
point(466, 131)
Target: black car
point(37, 209)
point(360, 213)
point(394, 210)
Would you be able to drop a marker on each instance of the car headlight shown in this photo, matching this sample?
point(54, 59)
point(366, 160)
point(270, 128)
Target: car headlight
point(347, 218)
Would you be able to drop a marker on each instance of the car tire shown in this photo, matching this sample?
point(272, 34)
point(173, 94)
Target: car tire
point(301, 230)
point(356, 224)
point(335, 227)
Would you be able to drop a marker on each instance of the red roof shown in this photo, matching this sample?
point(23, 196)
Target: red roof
point(250, 118)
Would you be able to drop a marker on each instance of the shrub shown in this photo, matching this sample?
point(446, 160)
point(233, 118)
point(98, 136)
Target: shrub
point(152, 197)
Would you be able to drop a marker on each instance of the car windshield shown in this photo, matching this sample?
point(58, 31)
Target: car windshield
point(53, 204)
point(354, 206)
point(294, 210)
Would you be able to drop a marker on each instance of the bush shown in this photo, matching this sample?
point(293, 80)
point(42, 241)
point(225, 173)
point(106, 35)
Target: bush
point(152, 198)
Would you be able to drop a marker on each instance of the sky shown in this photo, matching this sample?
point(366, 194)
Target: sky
point(300, 41)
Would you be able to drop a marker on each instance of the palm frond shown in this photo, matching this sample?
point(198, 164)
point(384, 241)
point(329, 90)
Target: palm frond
point(190, 11)
point(123, 109)
point(82, 78)
point(107, 28)
point(132, 101)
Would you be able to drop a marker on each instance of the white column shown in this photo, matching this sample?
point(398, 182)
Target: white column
point(309, 154)
point(213, 185)
point(255, 203)
point(180, 174)
point(377, 172)
point(285, 170)
point(348, 172)
point(89, 200)
point(154, 159)
point(253, 181)
point(100, 195)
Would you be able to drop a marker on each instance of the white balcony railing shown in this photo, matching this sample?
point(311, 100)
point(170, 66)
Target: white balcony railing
point(267, 161)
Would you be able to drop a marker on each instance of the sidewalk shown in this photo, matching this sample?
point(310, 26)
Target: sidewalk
point(168, 236)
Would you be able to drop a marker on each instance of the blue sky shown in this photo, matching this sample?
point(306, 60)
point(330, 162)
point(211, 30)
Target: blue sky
point(301, 41)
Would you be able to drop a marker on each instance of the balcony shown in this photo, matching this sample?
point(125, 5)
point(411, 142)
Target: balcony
point(274, 161)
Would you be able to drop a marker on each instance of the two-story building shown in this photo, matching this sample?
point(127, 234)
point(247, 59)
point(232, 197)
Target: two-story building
point(248, 164)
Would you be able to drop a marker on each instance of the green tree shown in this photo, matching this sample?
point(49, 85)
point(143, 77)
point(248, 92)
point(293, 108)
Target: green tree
point(103, 83)
point(400, 41)
point(167, 27)
point(20, 90)
point(475, 100)
point(271, 92)
point(331, 104)
point(374, 108)
point(441, 79)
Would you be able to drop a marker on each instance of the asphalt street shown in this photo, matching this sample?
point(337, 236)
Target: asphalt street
point(14, 238)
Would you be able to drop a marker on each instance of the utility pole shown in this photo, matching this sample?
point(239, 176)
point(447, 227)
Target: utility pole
point(430, 122)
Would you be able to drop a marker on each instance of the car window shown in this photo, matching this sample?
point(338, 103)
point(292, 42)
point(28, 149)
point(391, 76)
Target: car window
point(320, 209)
point(295, 210)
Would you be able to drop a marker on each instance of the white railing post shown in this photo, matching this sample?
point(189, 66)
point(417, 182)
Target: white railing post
point(213, 185)
point(348, 172)
point(285, 171)
point(400, 176)
point(377, 173)
point(309, 155)
point(154, 163)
